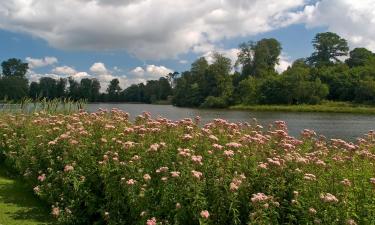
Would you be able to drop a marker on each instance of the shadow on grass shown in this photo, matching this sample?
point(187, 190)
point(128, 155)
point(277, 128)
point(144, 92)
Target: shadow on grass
point(18, 203)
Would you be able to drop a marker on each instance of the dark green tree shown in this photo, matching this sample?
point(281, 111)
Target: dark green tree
point(328, 48)
point(360, 57)
point(14, 67)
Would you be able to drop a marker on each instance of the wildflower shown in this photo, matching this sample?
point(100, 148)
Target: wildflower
point(151, 221)
point(106, 215)
point(164, 179)
point(259, 197)
point(372, 181)
point(42, 177)
point(309, 176)
point(154, 147)
point(197, 174)
point(233, 145)
point(146, 177)
point(131, 182)
point(263, 166)
point(36, 189)
point(351, 222)
point(55, 212)
point(178, 205)
point(328, 198)
point(312, 211)
point(187, 137)
point(68, 168)
point(346, 183)
point(197, 159)
point(205, 214)
point(217, 146)
point(143, 213)
point(175, 174)
point(229, 153)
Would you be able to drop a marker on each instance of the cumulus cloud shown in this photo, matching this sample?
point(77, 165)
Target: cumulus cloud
point(353, 20)
point(150, 72)
point(154, 29)
point(36, 63)
point(64, 70)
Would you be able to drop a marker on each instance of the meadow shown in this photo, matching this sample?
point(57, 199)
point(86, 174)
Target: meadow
point(103, 168)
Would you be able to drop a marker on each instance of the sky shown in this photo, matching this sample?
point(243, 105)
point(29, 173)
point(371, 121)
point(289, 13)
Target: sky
point(139, 40)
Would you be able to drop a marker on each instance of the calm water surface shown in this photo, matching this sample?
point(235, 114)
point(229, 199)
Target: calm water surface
point(332, 125)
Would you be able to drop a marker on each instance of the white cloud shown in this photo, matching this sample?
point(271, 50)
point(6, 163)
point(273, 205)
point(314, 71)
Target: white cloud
point(232, 54)
point(352, 19)
point(36, 63)
point(150, 72)
point(149, 29)
point(64, 70)
point(99, 68)
point(183, 61)
point(284, 63)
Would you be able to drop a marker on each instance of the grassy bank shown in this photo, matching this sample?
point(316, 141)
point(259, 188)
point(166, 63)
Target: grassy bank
point(18, 204)
point(327, 107)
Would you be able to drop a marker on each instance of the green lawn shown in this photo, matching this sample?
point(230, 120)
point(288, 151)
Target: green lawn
point(18, 205)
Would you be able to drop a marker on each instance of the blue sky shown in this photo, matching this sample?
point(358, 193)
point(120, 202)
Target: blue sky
point(137, 40)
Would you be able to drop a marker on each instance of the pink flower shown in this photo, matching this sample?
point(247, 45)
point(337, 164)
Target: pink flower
point(154, 147)
point(205, 214)
point(328, 198)
point(42, 177)
point(36, 189)
point(233, 145)
point(229, 153)
point(351, 222)
point(178, 205)
point(346, 183)
point(151, 221)
point(309, 176)
point(312, 211)
point(131, 182)
point(175, 174)
point(197, 174)
point(68, 168)
point(213, 138)
point(197, 159)
point(372, 181)
point(55, 211)
point(146, 177)
point(259, 197)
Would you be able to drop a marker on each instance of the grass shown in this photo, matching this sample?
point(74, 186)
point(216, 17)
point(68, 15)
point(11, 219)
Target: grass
point(327, 107)
point(18, 205)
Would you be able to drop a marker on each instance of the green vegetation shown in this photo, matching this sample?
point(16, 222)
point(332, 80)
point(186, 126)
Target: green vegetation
point(101, 168)
point(18, 204)
point(329, 107)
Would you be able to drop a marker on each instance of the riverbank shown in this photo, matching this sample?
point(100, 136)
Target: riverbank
point(18, 205)
point(326, 107)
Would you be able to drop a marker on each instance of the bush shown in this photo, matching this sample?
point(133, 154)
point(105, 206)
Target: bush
point(100, 168)
point(214, 102)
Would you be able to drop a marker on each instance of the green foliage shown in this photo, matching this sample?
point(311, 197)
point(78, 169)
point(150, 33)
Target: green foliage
point(328, 48)
point(14, 68)
point(259, 59)
point(214, 102)
point(104, 169)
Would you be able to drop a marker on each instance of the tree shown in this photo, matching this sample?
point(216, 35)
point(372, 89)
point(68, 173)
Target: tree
point(47, 87)
point(14, 67)
point(259, 58)
point(114, 90)
point(85, 88)
point(61, 88)
point(73, 89)
point(34, 90)
point(95, 90)
point(328, 48)
point(360, 57)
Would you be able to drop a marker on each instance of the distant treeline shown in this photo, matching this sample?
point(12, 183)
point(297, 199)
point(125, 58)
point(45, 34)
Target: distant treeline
point(331, 72)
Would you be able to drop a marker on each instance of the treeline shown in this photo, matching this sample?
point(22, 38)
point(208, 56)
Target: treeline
point(330, 73)
point(14, 86)
point(323, 75)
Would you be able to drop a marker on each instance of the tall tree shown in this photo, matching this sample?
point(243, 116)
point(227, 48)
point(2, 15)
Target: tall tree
point(259, 59)
point(328, 48)
point(14, 67)
point(360, 57)
point(114, 90)
point(95, 90)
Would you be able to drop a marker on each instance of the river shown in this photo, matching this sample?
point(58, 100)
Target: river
point(332, 125)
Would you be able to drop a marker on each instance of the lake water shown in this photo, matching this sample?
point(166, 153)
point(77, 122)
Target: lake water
point(331, 125)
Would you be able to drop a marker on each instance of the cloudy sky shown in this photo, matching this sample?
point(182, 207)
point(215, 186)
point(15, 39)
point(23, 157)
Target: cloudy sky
point(136, 40)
